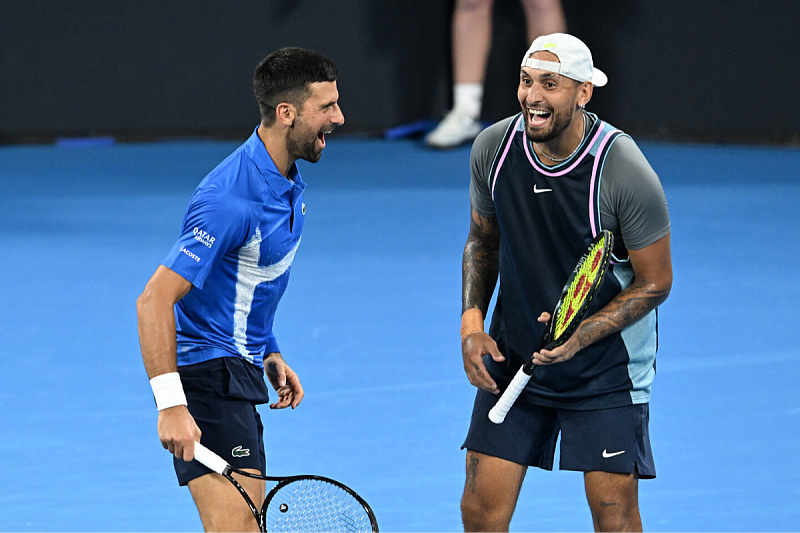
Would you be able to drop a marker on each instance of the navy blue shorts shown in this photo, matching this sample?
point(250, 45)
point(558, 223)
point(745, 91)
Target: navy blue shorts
point(222, 395)
point(606, 440)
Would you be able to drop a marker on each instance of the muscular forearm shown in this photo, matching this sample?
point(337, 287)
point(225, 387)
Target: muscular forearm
point(626, 308)
point(652, 283)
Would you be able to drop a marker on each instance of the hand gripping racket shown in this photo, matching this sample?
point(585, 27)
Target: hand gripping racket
point(567, 315)
point(299, 503)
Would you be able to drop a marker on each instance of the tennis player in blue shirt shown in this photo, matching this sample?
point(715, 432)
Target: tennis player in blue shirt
point(205, 316)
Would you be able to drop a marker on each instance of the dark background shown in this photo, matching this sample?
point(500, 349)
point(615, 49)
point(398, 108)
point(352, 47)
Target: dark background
point(685, 71)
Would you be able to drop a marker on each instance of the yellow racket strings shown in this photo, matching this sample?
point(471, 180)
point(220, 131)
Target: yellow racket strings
point(585, 276)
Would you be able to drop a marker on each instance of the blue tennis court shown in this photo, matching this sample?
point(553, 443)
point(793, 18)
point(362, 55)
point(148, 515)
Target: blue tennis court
point(370, 323)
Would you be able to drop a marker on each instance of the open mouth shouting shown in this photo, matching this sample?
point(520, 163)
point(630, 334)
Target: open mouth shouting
point(538, 117)
point(321, 135)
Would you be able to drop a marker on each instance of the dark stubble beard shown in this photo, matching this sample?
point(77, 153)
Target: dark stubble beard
point(561, 122)
point(301, 145)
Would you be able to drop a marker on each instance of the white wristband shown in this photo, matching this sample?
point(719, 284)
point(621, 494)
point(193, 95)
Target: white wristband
point(168, 390)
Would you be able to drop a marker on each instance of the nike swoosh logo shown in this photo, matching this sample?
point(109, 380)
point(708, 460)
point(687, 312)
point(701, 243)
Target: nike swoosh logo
point(607, 455)
point(537, 190)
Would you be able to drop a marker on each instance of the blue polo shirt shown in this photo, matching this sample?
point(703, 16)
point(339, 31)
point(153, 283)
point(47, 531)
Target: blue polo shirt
point(240, 234)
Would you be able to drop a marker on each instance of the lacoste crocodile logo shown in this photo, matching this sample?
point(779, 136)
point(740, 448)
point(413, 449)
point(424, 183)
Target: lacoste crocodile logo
point(240, 452)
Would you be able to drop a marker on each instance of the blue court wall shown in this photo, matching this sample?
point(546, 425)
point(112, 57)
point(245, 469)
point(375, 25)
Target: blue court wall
point(706, 71)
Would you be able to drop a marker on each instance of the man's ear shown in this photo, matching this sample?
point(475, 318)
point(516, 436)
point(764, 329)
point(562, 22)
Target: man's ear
point(585, 93)
point(286, 113)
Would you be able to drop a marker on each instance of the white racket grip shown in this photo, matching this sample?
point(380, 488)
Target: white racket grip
point(510, 395)
point(209, 458)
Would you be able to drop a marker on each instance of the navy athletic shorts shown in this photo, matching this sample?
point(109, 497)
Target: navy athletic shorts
point(605, 440)
point(222, 395)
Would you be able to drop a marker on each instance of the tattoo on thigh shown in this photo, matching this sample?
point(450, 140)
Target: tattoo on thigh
point(472, 474)
point(607, 504)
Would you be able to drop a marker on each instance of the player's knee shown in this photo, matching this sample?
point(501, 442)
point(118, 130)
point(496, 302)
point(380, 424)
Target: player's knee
point(478, 515)
point(616, 518)
point(470, 514)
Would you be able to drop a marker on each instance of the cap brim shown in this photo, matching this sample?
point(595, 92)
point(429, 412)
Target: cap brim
point(599, 78)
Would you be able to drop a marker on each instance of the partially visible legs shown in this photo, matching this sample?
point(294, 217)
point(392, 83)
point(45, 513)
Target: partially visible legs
point(612, 448)
point(471, 39)
point(498, 456)
point(232, 428)
point(543, 17)
point(613, 500)
point(490, 492)
point(220, 505)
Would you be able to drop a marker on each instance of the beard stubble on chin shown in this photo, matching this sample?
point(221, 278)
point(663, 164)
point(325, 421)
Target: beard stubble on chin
point(303, 146)
point(560, 123)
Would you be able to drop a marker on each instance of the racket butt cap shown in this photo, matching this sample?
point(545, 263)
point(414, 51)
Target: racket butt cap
point(496, 417)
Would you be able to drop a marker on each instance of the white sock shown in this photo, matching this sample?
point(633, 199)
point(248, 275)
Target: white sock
point(467, 99)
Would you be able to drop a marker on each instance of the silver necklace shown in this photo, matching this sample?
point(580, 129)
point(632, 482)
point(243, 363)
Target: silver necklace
point(575, 151)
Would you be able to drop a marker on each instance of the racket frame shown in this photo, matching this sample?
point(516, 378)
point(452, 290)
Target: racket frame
point(217, 464)
point(547, 342)
point(498, 413)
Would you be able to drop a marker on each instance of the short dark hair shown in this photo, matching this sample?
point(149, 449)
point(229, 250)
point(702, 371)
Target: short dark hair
point(284, 76)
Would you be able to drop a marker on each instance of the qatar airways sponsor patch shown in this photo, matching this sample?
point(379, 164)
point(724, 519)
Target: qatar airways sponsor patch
point(203, 237)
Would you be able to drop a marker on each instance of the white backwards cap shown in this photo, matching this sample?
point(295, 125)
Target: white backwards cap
point(574, 56)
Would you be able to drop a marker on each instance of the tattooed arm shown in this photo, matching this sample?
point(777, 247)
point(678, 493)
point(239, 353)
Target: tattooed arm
point(480, 267)
point(652, 268)
point(480, 264)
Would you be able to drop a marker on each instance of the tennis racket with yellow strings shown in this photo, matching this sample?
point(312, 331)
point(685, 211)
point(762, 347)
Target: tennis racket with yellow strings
point(565, 318)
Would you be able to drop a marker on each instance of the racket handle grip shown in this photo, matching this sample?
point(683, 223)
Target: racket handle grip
point(209, 458)
point(510, 395)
